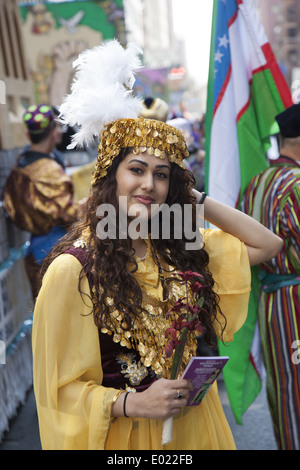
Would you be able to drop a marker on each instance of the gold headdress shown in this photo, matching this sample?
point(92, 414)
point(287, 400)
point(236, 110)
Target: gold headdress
point(145, 135)
point(101, 101)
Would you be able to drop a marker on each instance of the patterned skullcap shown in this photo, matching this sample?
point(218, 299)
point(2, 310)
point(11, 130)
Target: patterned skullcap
point(38, 118)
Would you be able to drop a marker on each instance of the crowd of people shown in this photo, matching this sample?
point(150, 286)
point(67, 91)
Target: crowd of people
point(104, 306)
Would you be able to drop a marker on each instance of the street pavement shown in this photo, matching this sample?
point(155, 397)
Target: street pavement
point(256, 433)
point(23, 432)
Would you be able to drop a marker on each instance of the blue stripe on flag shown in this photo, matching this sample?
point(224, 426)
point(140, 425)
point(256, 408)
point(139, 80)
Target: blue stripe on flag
point(226, 10)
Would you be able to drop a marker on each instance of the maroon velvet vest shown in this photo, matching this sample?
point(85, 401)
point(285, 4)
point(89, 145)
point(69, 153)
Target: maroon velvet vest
point(122, 367)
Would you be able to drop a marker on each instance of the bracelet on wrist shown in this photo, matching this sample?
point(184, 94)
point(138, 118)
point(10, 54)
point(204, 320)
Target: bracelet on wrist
point(117, 396)
point(124, 405)
point(120, 392)
point(202, 198)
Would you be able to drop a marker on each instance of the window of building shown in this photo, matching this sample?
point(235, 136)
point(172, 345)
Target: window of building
point(292, 32)
point(291, 13)
point(293, 56)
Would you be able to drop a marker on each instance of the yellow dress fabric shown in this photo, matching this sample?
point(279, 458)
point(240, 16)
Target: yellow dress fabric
point(74, 410)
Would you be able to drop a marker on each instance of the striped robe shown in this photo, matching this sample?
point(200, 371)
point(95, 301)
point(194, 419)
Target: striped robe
point(273, 198)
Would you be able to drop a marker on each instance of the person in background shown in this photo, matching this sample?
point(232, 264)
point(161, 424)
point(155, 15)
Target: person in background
point(155, 108)
point(38, 195)
point(273, 198)
point(195, 161)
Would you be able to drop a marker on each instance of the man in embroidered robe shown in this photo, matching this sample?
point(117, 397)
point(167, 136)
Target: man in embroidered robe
point(38, 195)
point(273, 198)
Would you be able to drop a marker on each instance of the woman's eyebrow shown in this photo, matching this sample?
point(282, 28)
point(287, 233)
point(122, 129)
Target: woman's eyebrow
point(139, 161)
point(146, 164)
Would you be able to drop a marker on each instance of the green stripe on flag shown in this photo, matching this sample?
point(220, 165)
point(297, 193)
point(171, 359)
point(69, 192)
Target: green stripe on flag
point(268, 102)
point(256, 125)
point(251, 149)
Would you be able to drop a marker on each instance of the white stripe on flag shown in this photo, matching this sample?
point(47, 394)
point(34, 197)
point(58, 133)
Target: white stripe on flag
point(255, 29)
point(224, 164)
point(240, 49)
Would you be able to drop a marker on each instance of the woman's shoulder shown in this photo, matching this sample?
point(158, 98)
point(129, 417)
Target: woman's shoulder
point(64, 265)
point(63, 275)
point(63, 289)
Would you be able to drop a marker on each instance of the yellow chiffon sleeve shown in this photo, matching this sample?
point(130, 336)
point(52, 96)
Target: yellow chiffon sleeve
point(230, 267)
point(74, 410)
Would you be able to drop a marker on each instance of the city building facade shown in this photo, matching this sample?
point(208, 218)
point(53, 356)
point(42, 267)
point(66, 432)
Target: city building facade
point(16, 87)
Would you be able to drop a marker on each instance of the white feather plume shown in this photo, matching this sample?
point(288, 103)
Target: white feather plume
point(102, 90)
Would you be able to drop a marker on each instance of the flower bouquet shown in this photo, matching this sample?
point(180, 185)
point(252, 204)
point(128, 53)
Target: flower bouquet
point(187, 309)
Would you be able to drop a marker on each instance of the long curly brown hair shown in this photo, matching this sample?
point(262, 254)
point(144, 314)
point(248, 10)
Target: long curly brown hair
point(108, 259)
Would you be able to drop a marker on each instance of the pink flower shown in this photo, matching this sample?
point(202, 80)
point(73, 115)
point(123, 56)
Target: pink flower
point(194, 309)
point(177, 325)
point(195, 325)
point(187, 319)
point(169, 348)
point(188, 275)
point(196, 286)
point(178, 306)
point(171, 331)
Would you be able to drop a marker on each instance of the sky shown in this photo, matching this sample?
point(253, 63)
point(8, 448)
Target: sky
point(192, 22)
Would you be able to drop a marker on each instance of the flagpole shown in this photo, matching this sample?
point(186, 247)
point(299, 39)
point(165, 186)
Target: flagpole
point(210, 92)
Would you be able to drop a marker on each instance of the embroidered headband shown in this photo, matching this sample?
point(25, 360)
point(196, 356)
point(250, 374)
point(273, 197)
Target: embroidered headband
point(144, 135)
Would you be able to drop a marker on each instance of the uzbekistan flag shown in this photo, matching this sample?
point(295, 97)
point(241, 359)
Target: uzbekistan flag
point(246, 90)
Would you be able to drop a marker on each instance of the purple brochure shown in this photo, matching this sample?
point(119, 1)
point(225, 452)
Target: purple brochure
point(202, 371)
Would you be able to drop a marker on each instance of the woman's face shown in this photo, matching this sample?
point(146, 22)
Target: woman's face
point(143, 180)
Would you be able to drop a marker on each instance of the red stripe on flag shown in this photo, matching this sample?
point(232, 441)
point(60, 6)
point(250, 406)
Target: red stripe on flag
point(232, 19)
point(243, 110)
point(223, 89)
point(279, 79)
point(260, 69)
point(277, 75)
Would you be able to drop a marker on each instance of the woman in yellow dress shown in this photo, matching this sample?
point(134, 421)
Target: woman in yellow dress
point(100, 321)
